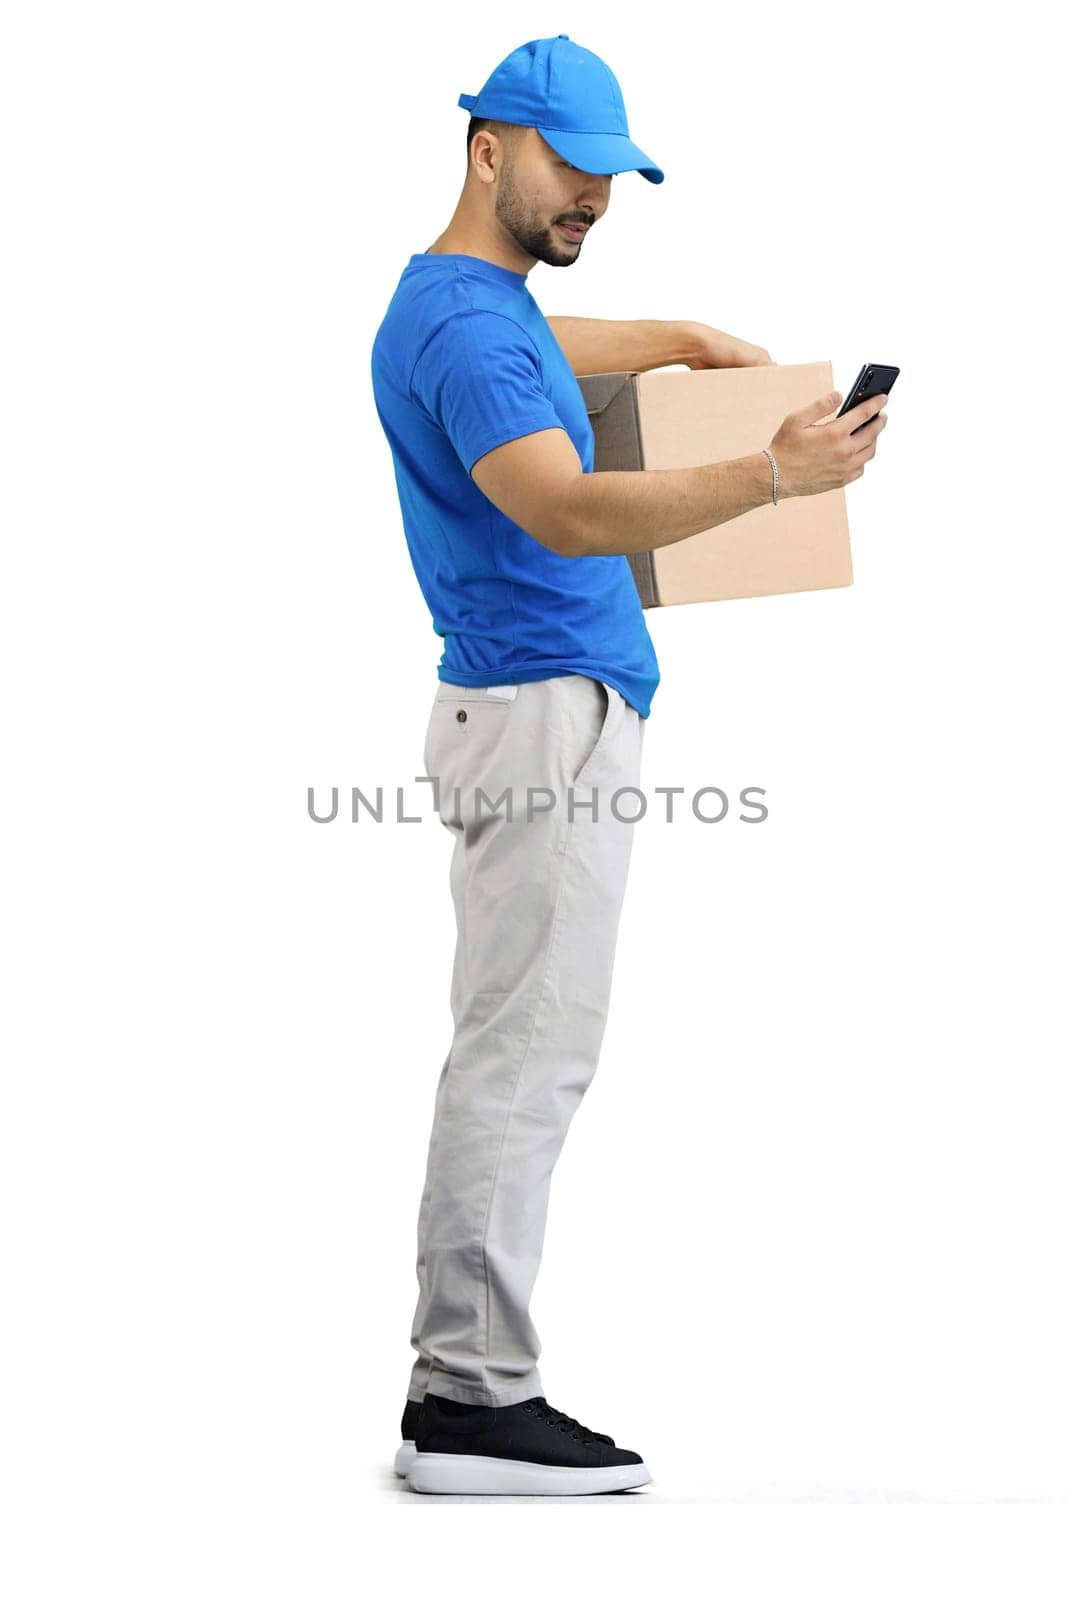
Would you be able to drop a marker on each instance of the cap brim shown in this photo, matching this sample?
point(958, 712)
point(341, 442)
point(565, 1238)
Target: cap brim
point(601, 153)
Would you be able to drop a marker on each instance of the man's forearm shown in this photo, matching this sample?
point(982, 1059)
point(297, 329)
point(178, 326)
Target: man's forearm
point(623, 513)
point(593, 345)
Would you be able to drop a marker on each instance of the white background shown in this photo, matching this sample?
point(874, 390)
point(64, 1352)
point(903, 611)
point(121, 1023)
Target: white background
point(806, 1234)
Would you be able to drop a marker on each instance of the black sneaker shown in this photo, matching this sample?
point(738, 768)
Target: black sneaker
point(408, 1423)
point(527, 1448)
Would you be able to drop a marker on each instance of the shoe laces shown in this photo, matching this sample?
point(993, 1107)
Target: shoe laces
point(539, 1407)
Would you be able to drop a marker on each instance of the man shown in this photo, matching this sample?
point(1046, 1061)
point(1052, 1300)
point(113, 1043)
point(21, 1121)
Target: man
point(545, 685)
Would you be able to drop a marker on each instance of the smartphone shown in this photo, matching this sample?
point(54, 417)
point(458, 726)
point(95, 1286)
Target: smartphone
point(872, 379)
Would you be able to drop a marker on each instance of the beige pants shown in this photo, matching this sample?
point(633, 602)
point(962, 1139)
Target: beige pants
point(537, 900)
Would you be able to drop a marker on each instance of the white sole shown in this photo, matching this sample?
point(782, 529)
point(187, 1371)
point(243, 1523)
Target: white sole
point(404, 1457)
point(434, 1473)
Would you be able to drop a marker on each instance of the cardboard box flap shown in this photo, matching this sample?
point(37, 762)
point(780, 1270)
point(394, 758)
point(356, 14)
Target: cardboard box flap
point(601, 388)
point(611, 401)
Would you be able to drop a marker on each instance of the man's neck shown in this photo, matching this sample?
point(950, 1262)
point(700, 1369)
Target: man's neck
point(456, 245)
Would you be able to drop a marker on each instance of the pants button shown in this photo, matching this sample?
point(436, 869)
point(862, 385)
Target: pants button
point(461, 716)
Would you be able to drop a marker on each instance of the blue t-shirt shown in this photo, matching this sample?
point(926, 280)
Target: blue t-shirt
point(462, 362)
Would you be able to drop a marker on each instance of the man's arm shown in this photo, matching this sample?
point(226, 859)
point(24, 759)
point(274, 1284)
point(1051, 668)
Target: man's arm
point(538, 482)
point(592, 345)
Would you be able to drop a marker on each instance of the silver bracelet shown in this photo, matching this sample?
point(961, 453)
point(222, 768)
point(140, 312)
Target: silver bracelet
point(774, 469)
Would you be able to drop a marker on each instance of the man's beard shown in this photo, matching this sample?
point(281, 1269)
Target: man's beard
point(528, 233)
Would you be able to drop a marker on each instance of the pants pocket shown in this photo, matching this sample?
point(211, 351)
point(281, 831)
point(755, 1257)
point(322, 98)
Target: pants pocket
point(595, 724)
point(467, 722)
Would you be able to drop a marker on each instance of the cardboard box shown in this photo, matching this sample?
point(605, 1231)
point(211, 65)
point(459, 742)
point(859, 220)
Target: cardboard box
point(671, 418)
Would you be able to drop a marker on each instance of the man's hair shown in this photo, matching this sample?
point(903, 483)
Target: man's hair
point(506, 132)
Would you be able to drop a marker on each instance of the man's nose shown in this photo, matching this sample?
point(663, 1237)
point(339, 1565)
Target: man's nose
point(595, 192)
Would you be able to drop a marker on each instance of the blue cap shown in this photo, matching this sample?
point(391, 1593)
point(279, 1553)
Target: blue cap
point(572, 98)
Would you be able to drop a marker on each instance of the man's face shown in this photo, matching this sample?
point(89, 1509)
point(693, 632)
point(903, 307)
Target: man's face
point(539, 192)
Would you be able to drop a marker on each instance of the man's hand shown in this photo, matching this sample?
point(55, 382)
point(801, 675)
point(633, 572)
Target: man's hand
point(714, 349)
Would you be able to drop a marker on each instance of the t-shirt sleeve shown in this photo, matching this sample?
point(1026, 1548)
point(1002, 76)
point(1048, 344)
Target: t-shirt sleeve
point(479, 378)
